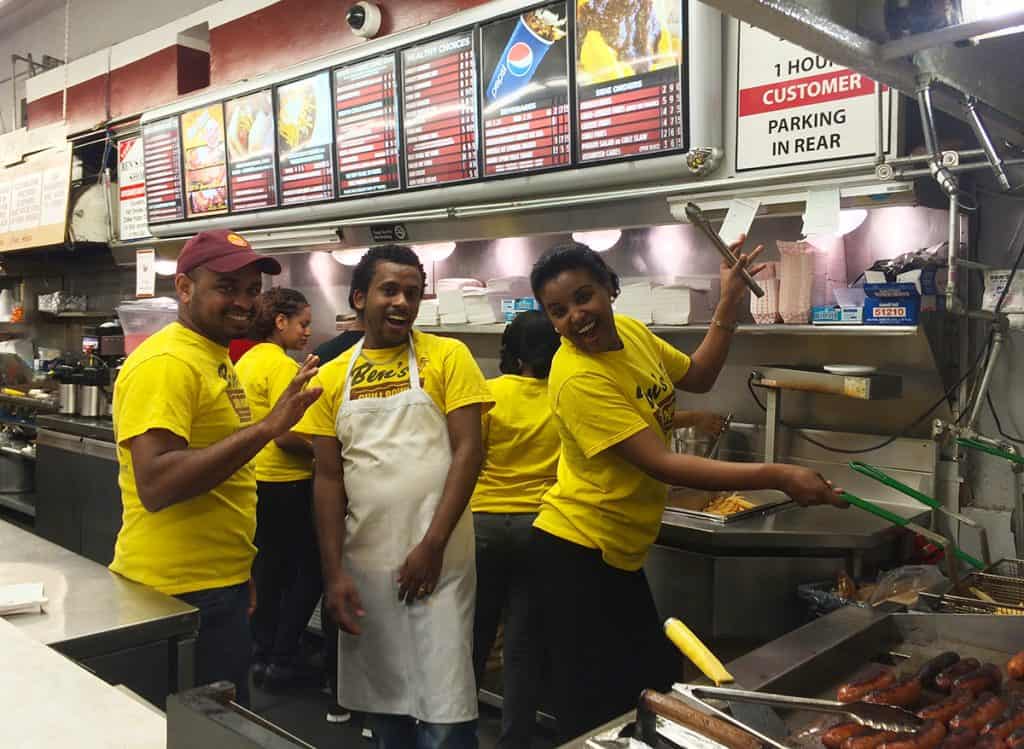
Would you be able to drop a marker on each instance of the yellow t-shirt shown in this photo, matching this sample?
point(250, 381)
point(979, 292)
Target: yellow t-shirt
point(183, 382)
point(600, 500)
point(265, 371)
point(448, 374)
point(521, 447)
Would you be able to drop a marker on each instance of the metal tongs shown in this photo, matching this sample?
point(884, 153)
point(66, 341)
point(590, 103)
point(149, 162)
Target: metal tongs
point(696, 217)
point(881, 717)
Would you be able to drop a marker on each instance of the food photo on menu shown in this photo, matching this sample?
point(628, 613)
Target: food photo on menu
point(617, 39)
point(252, 171)
point(206, 176)
point(305, 139)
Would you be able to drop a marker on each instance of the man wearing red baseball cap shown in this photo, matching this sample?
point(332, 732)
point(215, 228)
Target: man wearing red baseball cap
point(185, 439)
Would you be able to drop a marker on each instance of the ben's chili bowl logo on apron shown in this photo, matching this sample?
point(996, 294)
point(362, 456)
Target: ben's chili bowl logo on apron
point(382, 380)
point(235, 393)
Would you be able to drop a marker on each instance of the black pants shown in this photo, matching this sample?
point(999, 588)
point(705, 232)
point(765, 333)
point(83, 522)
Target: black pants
point(503, 594)
point(602, 631)
point(223, 648)
point(287, 569)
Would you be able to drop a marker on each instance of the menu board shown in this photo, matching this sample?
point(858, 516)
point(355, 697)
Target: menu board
point(251, 166)
point(526, 99)
point(206, 170)
point(161, 154)
point(366, 126)
point(131, 181)
point(439, 97)
point(628, 77)
point(305, 138)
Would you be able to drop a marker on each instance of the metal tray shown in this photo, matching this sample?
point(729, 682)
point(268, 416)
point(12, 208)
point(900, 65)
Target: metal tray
point(688, 502)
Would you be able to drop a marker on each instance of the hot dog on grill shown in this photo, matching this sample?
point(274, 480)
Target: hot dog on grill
point(1016, 739)
point(989, 741)
point(945, 710)
point(878, 677)
point(834, 737)
point(906, 691)
point(1015, 666)
point(962, 738)
point(987, 707)
point(928, 736)
point(944, 681)
point(871, 740)
point(987, 678)
point(936, 666)
point(1006, 723)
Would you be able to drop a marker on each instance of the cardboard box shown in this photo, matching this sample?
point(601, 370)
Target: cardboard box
point(836, 315)
point(512, 307)
point(891, 304)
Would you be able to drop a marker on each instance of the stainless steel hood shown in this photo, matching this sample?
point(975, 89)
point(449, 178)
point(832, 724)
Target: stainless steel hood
point(937, 46)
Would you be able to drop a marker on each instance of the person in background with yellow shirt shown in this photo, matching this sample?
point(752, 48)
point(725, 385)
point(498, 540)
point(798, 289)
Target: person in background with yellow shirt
point(186, 437)
point(612, 393)
point(520, 457)
point(287, 567)
point(397, 444)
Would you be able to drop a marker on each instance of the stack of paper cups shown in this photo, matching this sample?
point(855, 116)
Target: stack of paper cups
point(765, 310)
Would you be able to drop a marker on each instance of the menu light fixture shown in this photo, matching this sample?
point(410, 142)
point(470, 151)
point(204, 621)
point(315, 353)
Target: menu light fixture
point(165, 267)
point(435, 252)
point(349, 257)
point(599, 241)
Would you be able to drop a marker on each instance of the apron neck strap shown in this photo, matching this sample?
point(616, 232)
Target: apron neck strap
point(414, 367)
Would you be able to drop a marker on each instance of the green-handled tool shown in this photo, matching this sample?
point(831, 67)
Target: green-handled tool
point(882, 477)
point(902, 522)
point(990, 449)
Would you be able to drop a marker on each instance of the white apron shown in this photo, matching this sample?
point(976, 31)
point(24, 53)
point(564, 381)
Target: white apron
point(413, 659)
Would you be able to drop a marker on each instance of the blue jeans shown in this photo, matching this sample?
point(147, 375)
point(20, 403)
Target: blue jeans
point(403, 732)
point(224, 645)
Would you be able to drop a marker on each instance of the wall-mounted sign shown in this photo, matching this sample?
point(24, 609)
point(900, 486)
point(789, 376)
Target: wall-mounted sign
point(366, 126)
point(526, 96)
point(145, 273)
point(628, 78)
point(161, 150)
point(206, 168)
point(252, 170)
point(305, 139)
point(796, 107)
point(34, 200)
point(131, 190)
point(439, 97)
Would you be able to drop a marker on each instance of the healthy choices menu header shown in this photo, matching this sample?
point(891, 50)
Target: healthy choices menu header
point(560, 85)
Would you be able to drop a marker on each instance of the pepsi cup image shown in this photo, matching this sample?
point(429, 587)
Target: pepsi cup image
point(531, 39)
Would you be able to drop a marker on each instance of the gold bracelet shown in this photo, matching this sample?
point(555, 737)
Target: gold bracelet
point(731, 327)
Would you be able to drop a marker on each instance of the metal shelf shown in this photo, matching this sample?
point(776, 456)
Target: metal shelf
point(78, 315)
point(23, 503)
point(19, 453)
point(815, 330)
point(40, 405)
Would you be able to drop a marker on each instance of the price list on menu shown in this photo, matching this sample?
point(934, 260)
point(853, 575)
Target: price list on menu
point(632, 107)
point(526, 99)
point(251, 165)
point(161, 155)
point(366, 127)
point(439, 94)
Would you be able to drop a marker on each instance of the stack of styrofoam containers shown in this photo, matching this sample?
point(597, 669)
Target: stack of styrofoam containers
point(451, 306)
point(765, 310)
point(796, 285)
point(430, 313)
point(483, 306)
point(636, 300)
point(686, 300)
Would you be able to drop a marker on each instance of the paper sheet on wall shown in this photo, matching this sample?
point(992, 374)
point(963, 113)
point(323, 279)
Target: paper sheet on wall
point(738, 219)
point(821, 216)
point(145, 273)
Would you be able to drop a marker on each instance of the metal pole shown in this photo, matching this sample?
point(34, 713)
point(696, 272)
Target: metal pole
point(879, 128)
point(941, 173)
point(994, 159)
point(1018, 509)
point(953, 252)
point(773, 406)
point(986, 378)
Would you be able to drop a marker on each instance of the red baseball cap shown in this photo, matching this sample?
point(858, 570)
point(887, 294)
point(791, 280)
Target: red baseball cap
point(223, 251)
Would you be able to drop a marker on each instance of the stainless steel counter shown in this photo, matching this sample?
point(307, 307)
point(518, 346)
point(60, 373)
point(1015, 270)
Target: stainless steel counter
point(122, 630)
point(815, 529)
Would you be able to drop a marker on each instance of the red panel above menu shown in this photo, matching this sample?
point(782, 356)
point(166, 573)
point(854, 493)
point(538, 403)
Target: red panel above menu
point(628, 78)
point(526, 101)
point(305, 138)
point(206, 171)
point(366, 126)
point(252, 174)
point(439, 97)
point(161, 154)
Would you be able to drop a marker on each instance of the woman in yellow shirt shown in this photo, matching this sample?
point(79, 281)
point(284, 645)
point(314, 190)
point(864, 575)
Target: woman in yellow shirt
point(520, 456)
point(612, 394)
point(287, 566)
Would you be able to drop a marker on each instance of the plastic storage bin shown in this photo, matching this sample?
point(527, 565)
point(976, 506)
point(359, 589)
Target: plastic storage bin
point(143, 317)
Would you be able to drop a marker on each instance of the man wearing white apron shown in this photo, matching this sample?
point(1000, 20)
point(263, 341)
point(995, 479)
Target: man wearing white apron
point(398, 448)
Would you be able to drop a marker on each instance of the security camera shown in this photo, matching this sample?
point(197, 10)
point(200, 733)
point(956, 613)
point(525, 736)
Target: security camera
point(364, 19)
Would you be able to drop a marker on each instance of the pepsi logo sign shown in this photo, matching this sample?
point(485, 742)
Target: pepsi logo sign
point(520, 59)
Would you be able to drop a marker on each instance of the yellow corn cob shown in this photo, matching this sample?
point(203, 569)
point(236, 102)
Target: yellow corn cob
point(696, 651)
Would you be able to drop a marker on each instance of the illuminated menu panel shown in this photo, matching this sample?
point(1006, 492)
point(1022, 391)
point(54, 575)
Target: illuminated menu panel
point(252, 170)
point(206, 170)
point(628, 78)
point(161, 154)
point(439, 97)
point(366, 127)
point(526, 99)
point(305, 139)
